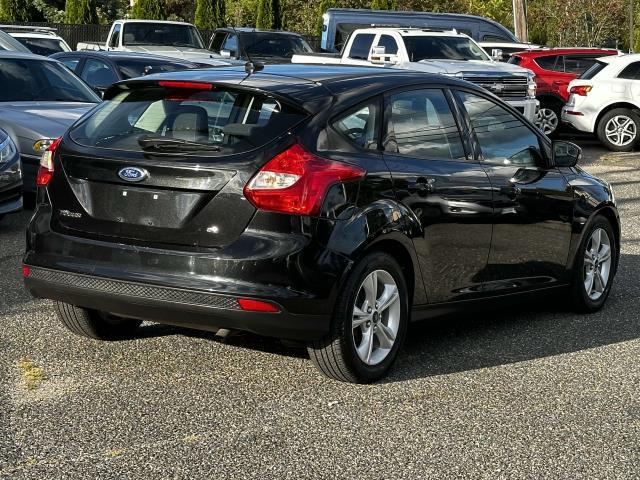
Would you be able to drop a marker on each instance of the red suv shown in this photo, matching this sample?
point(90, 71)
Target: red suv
point(554, 69)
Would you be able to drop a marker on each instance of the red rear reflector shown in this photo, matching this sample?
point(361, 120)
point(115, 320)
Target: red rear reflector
point(577, 114)
point(185, 85)
point(296, 181)
point(25, 271)
point(250, 305)
point(45, 170)
point(581, 90)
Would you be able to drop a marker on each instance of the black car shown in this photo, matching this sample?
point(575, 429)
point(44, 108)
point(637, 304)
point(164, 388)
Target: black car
point(325, 204)
point(10, 176)
point(268, 46)
point(100, 69)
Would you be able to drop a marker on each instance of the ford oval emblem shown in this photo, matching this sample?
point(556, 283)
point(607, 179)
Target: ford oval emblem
point(133, 174)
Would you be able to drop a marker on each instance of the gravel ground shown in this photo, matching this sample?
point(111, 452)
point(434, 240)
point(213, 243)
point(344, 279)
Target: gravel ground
point(530, 392)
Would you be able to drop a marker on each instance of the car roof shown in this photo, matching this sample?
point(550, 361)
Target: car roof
point(311, 86)
point(413, 32)
point(116, 55)
point(35, 35)
point(545, 52)
point(622, 59)
point(163, 22)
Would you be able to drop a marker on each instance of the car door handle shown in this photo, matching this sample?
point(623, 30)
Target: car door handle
point(422, 185)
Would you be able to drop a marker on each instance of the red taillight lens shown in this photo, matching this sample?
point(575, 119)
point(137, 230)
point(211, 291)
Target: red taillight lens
point(26, 271)
point(45, 170)
point(296, 181)
point(249, 305)
point(185, 85)
point(581, 90)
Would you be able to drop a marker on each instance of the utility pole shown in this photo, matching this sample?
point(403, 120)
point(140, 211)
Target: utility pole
point(520, 20)
point(631, 26)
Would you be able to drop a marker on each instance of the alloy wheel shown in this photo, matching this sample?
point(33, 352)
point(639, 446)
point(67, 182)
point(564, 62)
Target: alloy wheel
point(597, 264)
point(547, 120)
point(376, 317)
point(620, 130)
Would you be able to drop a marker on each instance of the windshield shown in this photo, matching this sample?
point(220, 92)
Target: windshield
point(30, 80)
point(156, 119)
point(443, 48)
point(44, 46)
point(132, 68)
point(175, 35)
point(274, 45)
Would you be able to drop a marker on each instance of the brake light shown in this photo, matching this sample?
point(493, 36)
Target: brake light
point(296, 181)
point(581, 90)
point(250, 305)
point(45, 170)
point(185, 85)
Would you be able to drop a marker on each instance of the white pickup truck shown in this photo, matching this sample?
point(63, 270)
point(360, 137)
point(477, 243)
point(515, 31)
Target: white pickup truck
point(444, 52)
point(170, 39)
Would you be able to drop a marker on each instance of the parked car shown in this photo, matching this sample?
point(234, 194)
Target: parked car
point(7, 42)
point(339, 23)
point(502, 51)
point(170, 39)
point(10, 176)
point(360, 199)
point(39, 99)
point(39, 40)
point(605, 100)
point(267, 46)
point(554, 68)
point(101, 69)
point(447, 52)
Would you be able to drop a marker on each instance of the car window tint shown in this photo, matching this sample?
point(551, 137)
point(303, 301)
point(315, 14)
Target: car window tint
point(70, 63)
point(231, 43)
point(631, 71)
point(98, 74)
point(494, 38)
point(115, 38)
point(361, 46)
point(577, 64)
point(421, 125)
point(216, 42)
point(44, 46)
point(504, 139)
point(389, 44)
point(595, 69)
point(360, 125)
point(551, 62)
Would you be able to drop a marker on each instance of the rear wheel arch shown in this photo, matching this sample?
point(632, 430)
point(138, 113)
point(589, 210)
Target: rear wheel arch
point(629, 106)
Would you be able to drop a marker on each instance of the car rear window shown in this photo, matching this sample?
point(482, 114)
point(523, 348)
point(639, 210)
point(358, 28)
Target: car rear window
point(593, 70)
point(217, 122)
point(131, 68)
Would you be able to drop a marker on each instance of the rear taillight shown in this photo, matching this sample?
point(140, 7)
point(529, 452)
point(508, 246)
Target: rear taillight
point(581, 90)
point(296, 181)
point(185, 85)
point(45, 171)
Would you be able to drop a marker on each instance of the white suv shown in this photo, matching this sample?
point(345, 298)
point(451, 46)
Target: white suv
point(606, 100)
point(39, 40)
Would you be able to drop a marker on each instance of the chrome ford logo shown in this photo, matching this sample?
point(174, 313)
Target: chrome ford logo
point(133, 174)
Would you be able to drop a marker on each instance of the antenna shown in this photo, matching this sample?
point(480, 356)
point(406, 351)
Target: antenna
point(250, 67)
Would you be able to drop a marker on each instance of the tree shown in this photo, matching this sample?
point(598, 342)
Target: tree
point(15, 10)
point(80, 11)
point(209, 14)
point(149, 10)
point(384, 4)
point(268, 15)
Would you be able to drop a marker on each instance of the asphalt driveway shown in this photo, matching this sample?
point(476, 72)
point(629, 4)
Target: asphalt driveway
point(533, 391)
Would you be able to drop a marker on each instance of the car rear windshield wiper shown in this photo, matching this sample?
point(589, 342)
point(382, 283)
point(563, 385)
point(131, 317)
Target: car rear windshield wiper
point(173, 144)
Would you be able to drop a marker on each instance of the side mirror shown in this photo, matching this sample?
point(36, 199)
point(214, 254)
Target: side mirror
point(378, 56)
point(496, 54)
point(566, 154)
point(225, 53)
point(100, 91)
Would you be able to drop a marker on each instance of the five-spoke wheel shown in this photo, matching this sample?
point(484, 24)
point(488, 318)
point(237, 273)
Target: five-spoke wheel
point(618, 129)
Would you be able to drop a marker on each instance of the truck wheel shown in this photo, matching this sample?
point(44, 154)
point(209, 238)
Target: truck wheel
point(618, 129)
point(595, 266)
point(95, 324)
point(548, 118)
point(369, 324)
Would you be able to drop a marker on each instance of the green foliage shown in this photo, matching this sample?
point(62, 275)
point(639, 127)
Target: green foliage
point(80, 11)
point(384, 4)
point(269, 14)
point(149, 10)
point(15, 10)
point(209, 14)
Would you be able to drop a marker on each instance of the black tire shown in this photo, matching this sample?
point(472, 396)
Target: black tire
point(555, 108)
point(95, 324)
point(335, 355)
point(602, 125)
point(580, 300)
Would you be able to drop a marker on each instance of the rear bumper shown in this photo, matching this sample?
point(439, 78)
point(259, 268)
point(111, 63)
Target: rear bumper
point(175, 306)
point(578, 120)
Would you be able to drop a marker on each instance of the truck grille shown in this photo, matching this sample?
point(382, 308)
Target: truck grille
point(509, 88)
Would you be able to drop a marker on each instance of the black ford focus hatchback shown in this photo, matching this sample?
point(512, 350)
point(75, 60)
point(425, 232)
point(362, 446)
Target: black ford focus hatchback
point(331, 205)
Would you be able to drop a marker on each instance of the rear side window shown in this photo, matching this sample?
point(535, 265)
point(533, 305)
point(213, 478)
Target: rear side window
point(595, 69)
point(552, 62)
point(631, 71)
point(220, 121)
point(421, 125)
point(360, 125)
point(115, 37)
point(389, 44)
point(361, 46)
point(515, 60)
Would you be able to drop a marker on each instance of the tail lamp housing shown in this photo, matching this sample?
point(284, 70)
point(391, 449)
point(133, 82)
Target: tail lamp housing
point(581, 90)
point(296, 182)
point(45, 170)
